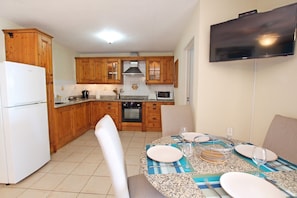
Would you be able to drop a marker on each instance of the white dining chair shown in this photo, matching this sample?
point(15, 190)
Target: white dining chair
point(281, 137)
point(124, 187)
point(173, 117)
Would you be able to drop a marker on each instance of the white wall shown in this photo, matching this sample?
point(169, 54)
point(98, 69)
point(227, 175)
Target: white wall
point(190, 33)
point(276, 84)
point(5, 24)
point(224, 93)
point(63, 63)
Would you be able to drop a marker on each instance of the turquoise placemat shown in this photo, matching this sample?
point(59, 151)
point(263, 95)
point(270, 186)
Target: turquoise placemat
point(278, 165)
point(213, 181)
point(155, 167)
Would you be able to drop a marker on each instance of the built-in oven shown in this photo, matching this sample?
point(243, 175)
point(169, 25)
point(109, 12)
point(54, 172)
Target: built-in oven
point(131, 111)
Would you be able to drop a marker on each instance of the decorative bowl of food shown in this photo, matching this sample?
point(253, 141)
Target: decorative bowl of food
point(216, 150)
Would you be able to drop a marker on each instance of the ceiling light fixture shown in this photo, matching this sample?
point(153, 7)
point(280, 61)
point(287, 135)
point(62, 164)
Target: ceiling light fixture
point(110, 36)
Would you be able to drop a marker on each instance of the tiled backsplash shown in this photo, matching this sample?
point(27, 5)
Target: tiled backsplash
point(66, 89)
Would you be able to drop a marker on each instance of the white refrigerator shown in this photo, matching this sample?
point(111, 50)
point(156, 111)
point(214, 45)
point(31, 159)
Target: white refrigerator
point(24, 136)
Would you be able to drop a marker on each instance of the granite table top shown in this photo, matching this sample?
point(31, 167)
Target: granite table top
point(182, 185)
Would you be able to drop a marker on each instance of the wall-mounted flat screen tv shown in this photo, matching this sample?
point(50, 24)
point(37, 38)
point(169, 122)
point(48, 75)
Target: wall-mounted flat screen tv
point(255, 35)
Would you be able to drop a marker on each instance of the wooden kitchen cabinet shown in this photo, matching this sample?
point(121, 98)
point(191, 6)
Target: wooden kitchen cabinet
point(160, 70)
point(71, 122)
point(90, 70)
point(113, 71)
point(32, 46)
point(152, 118)
point(63, 120)
point(106, 70)
point(81, 118)
point(153, 70)
point(114, 110)
point(97, 70)
point(100, 108)
point(168, 70)
point(96, 113)
point(29, 46)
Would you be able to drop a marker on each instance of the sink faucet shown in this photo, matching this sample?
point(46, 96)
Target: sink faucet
point(117, 93)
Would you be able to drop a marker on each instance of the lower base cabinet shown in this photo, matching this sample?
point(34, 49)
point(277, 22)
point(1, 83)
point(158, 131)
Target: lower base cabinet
point(81, 114)
point(152, 115)
point(63, 126)
point(72, 121)
point(99, 109)
point(96, 114)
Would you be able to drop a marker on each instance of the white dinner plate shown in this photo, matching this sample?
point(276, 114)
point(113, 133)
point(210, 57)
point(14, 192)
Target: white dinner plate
point(163, 153)
point(190, 136)
point(245, 185)
point(247, 150)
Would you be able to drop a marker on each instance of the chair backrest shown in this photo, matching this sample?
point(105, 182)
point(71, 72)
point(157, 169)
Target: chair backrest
point(281, 137)
point(109, 140)
point(173, 117)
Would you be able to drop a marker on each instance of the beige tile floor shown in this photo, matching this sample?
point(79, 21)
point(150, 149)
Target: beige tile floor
point(78, 169)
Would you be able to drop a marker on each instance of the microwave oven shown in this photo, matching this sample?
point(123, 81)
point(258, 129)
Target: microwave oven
point(164, 95)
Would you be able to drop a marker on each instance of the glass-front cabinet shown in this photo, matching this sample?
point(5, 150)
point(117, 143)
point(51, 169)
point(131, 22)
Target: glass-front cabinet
point(113, 71)
point(159, 70)
point(153, 70)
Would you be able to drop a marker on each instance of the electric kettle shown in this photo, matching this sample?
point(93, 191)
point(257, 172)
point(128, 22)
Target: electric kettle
point(85, 94)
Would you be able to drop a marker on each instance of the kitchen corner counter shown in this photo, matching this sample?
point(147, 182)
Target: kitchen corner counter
point(59, 104)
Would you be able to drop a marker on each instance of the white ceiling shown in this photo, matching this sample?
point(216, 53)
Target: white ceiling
point(147, 25)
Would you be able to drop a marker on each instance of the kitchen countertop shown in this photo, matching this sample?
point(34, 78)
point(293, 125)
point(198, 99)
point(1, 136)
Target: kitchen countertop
point(103, 98)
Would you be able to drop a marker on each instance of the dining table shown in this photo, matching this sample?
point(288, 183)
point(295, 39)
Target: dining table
point(202, 178)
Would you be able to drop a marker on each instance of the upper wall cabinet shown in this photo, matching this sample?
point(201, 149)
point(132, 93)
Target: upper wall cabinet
point(98, 70)
point(159, 70)
point(89, 70)
point(113, 71)
point(30, 46)
point(108, 70)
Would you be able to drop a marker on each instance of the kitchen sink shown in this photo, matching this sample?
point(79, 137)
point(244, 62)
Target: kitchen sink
point(60, 102)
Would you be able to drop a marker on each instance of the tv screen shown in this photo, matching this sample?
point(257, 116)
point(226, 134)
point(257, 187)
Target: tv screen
point(257, 35)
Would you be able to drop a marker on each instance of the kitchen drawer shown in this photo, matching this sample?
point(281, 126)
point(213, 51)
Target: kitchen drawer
point(153, 115)
point(152, 125)
point(154, 107)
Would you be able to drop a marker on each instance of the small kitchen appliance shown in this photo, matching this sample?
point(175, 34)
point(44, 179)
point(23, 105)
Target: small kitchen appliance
point(164, 95)
point(85, 94)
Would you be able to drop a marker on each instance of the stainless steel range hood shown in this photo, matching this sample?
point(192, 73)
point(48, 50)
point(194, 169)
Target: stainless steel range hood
point(133, 69)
